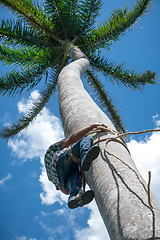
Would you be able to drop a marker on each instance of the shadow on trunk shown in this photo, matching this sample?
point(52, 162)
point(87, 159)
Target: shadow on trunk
point(114, 174)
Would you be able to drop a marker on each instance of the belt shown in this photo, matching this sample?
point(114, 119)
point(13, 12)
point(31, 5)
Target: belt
point(57, 162)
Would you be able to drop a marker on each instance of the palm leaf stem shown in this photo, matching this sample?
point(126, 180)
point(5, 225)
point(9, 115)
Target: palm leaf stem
point(60, 18)
point(22, 38)
point(87, 21)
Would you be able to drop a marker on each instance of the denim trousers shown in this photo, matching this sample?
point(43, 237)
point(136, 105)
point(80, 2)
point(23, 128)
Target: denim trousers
point(69, 172)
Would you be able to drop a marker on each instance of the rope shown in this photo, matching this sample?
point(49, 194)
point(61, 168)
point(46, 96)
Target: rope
point(72, 156)
point(149, 195)
point(125, 145)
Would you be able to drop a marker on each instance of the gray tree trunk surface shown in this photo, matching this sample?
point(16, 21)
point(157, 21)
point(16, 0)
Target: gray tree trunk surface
point(120, 197)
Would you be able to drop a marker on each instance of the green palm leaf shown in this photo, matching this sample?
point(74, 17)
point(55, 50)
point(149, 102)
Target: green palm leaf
point(23, 56)
point(37, 105)
point(29, 10)
point(117, 72)
point(19, 32)
point(15, 82)
point(72, 18)
point(89, 10)
point(32, 13)
point(35, 109)
point(57, 12)
point(119, 21)
point(37, 64)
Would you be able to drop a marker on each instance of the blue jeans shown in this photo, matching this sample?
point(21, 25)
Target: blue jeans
point(68, 171)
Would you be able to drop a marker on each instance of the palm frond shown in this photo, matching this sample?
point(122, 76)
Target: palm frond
point(38, 104)
point(73, 18)
point(89, 10)
point(118, 73)
point(36, 65)
point(35, 109)
point(33, 14)
point(105, 101)
point(15, 82)
point(18, 32)
point(62, 9)
point(119, 21)
point(23, 56)
point(63, 15)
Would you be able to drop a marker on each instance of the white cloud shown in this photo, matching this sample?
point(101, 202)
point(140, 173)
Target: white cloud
point(146, 155)
point(40, 134)
point(3, 180)
point(21, 238)
point(96, 229)
point(24, 238)
point(34, 141)
point(25, 104)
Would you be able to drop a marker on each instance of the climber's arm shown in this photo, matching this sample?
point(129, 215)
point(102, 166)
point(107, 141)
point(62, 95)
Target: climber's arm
point(78, 135)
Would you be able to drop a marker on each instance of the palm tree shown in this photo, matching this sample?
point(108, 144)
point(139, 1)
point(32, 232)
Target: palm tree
point(38, 42)
point(120, 195)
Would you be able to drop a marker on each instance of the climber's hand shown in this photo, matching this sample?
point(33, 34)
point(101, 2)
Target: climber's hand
point(101, 127)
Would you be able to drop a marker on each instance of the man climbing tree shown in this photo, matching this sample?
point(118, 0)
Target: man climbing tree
point(64, 165)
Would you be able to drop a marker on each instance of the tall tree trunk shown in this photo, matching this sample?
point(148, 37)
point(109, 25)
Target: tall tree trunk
point(121, 198)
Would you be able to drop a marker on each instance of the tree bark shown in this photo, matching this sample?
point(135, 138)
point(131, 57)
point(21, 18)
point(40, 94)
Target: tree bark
point(120, 197)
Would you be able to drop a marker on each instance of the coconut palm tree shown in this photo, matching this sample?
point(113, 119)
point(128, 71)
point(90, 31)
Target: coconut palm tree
point(43, 41)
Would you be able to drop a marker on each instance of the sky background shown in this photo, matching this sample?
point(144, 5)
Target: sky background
point(30, 207)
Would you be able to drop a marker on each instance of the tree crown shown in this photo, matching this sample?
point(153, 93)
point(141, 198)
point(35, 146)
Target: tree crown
point(38, 39)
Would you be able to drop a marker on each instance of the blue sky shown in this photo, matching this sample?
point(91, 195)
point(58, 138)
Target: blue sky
point(30, 207)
